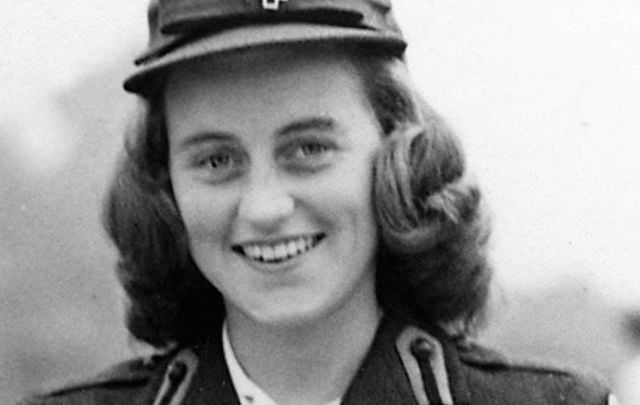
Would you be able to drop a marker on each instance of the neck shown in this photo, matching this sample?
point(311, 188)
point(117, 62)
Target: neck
point(311, 363)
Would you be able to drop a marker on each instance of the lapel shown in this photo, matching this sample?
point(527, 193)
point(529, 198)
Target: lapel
point(381, 380)
point(211, 384)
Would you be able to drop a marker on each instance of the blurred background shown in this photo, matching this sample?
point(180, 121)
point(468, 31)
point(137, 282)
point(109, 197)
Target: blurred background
point(545, 95)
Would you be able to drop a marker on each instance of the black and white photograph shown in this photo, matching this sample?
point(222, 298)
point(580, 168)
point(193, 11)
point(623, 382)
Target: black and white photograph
point(320, 202)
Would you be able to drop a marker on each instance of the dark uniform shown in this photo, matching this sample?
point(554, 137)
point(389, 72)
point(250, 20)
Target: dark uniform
point(406, 365)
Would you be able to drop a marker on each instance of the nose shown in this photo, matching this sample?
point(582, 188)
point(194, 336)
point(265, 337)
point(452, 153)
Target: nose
point(265, 203)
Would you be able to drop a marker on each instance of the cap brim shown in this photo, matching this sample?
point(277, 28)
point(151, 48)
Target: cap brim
point(254, 36)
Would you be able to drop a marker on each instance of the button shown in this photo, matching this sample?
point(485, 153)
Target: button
point(421, 348)
point(177, 372)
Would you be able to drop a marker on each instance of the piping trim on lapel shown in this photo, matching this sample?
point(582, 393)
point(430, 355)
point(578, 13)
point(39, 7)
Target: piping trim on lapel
point(177, 378)
point(407, 338)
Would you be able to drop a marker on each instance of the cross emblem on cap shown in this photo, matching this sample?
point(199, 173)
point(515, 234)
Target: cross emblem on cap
point(271, 4)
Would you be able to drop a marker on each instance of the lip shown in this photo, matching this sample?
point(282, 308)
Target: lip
point(239, 249)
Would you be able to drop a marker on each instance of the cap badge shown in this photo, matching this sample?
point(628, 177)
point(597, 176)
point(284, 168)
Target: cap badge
point(271, 4)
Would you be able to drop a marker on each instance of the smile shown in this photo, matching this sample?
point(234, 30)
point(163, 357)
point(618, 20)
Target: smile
point(278, 251)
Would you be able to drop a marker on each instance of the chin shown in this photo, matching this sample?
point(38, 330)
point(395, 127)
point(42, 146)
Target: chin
point(289, 317)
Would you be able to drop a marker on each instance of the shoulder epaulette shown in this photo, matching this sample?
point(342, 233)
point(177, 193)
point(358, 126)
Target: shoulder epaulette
point(559, 383)
point(131, 373)
point(485, 357)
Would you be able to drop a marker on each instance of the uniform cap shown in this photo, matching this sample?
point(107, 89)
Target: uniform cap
point(181, 30)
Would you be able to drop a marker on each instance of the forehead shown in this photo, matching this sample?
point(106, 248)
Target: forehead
point(261, 81)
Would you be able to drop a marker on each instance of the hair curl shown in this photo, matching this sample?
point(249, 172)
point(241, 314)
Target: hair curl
point(431, 262)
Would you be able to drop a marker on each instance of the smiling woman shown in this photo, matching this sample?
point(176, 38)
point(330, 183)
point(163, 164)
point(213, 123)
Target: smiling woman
point(281, 168)
point(295, 226)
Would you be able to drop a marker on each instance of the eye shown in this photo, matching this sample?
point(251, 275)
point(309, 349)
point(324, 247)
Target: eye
point(312, 149)
point(308, 154)
point(219, 161)
point(220, 165)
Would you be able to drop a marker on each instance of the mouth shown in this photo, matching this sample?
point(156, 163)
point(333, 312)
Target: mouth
point(280, 250)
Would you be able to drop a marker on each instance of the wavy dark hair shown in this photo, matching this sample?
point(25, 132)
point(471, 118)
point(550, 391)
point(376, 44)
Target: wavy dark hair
point(432, 262)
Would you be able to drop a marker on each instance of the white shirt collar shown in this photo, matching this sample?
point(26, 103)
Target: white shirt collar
point(248, 392)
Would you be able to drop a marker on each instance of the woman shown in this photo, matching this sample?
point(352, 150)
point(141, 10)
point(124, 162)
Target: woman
point(294, 224)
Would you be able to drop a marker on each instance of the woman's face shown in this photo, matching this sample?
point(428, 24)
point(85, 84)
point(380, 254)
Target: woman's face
point(270, 161)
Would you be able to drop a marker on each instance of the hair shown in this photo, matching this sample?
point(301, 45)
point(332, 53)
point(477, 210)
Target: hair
point(432, 262)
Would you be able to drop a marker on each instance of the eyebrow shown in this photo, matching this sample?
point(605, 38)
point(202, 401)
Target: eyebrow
point(301, 125)
point(306, 124)
point(203, 137)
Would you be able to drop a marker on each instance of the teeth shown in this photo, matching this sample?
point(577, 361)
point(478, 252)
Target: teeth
point(279, 251)
point(252, 250)
point(267, 253)
point(300, 245)
point(292, 250)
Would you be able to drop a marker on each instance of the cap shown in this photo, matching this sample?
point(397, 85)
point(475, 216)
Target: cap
point(181, 30)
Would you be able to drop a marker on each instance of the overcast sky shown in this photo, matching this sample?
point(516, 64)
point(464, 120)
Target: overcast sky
point(544, 93)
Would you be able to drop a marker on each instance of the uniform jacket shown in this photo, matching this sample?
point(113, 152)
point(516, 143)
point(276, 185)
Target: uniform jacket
point(405, 365)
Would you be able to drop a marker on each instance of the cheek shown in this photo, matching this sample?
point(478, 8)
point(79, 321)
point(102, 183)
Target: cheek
point(204, 214)
point(356, 182)
point(348, 196)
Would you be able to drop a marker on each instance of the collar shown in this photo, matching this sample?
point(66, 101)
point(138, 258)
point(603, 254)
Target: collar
point(248, 392)
point(382, 379)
